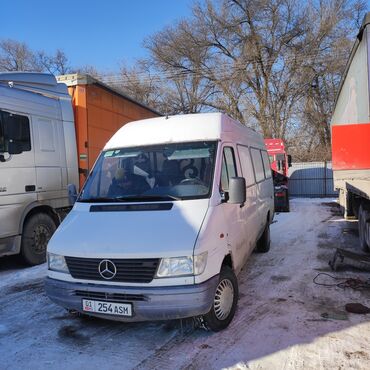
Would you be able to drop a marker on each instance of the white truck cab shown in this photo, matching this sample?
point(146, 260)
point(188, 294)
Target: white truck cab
point(38, 160)
point(166, 220)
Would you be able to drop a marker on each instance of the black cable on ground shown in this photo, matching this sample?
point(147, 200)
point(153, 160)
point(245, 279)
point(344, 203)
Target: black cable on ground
point(344, 282)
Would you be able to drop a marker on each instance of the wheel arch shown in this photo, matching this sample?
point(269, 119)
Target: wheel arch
point(228, 261)
point(38, 208)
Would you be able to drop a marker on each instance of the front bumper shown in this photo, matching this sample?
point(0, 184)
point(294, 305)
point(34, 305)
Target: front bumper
point(10, 245)
point(148, 303)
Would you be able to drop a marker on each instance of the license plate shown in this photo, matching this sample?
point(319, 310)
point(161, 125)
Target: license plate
point(109, 308)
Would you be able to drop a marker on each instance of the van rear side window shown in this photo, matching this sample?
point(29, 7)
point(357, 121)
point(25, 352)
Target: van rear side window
point(246, 164)
point(266, 164)
point(14, 127)
point(257, 164)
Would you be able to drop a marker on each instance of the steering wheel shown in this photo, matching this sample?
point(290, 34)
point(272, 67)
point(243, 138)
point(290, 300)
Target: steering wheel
point(192, 181)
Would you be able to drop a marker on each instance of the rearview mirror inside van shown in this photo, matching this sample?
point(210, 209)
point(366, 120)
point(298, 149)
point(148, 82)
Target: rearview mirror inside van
point(237, 190)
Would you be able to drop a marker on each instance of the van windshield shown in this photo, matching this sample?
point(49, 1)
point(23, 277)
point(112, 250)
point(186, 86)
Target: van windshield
point(162, 172)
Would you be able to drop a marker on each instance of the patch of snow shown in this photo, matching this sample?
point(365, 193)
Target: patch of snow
point(278, 323)
point(21, 274)
point(3, 329)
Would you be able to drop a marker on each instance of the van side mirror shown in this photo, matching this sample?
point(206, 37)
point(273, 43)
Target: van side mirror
point(72, 193)
point(14, 147)
point(237, 190)
point(289, 160)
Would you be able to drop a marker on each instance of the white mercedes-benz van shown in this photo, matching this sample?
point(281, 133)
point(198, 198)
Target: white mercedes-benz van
point(166, 220)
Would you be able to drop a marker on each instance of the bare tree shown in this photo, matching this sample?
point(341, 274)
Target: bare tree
point(17, 56)
point(88, 69)
point(244, 53)
point(60, 63)
point(139, 83)
point(178, 54)
point(336, 23)
point(272, 64)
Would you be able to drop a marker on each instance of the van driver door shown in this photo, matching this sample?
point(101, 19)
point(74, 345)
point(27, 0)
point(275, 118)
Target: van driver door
point(234, 214)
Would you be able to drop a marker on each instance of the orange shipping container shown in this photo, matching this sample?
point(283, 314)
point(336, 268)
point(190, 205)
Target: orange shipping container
point(99, 112)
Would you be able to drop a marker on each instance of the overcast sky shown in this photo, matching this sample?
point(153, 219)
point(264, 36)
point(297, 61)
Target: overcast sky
point(98, 33)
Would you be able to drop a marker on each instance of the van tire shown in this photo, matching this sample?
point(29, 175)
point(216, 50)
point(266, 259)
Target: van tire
point(37, 232)
point(217, 319)
point(264, 242)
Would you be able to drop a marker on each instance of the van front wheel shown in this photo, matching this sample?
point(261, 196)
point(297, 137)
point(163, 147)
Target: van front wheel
point(224, 301)
point(37, 232)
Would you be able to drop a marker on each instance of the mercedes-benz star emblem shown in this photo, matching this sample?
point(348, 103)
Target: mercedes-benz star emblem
point(107, 269)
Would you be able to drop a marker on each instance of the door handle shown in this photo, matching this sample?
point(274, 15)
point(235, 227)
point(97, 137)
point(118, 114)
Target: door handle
point(30, 188)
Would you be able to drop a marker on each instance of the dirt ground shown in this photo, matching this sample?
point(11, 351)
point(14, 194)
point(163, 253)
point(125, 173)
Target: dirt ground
point(283, 321)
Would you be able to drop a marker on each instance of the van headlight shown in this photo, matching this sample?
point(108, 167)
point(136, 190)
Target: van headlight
point(57, 263)
point(182, 266)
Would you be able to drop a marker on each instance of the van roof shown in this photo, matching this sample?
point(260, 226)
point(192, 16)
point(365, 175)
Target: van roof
point(179, 128)
point(40, 83)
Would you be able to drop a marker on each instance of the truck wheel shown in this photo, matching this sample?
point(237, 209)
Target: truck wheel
point(263, 243)
point(363, 216)
point(224, 301)
point(287, 206)
point(37, 232)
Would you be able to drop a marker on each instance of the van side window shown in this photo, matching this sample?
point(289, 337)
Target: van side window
point(18, 128)
point(257, 164)
point(228, 167)
point(266, 164)
point(246, 164)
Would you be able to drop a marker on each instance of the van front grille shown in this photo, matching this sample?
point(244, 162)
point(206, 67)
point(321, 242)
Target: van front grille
point(128, 270)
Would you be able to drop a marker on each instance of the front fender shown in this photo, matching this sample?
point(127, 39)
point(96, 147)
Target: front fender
point(213, 240)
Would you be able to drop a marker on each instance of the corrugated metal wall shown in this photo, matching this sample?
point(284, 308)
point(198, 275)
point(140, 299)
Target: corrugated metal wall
point(311, 179)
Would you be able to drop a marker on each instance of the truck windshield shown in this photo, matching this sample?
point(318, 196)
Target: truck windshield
point(162, 172)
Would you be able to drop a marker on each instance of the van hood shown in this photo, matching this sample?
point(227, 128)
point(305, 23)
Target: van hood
point(140, 230)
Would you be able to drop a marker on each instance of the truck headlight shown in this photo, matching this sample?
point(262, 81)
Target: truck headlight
point(182, 266)
point(57, 263)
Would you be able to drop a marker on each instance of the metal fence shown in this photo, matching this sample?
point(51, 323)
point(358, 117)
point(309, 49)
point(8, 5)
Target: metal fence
point(311, 179)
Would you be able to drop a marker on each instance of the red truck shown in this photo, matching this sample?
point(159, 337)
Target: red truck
point(280, 163)
point(350, 130)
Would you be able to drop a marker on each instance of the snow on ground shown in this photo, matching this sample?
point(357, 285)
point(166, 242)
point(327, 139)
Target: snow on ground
point(278, 324)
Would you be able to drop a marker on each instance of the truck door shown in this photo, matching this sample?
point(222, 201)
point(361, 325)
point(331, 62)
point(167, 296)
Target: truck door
point(17, 171)
point(49, 157)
